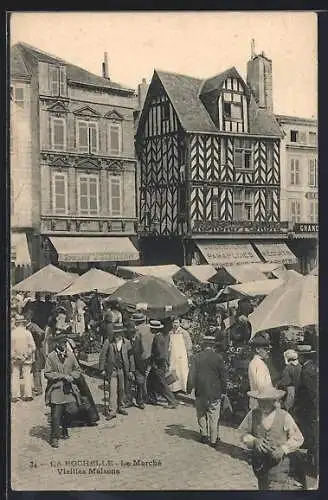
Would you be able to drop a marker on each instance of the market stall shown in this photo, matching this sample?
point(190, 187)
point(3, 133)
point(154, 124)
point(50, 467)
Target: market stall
point(49, 279)
point(94, 279)
point(253, 288)
point(231, 275)
point(165, 272)
point(199, 274)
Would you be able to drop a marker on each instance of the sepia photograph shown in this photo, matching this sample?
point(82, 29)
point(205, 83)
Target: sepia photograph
point(164, 267)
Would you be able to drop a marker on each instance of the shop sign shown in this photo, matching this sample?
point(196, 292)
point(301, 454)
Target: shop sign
point(215, 226)
point(306, 228)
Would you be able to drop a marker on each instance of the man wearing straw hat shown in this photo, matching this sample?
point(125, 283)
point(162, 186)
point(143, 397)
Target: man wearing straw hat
point(258, 371)
point(272, 435)
point(22, 358)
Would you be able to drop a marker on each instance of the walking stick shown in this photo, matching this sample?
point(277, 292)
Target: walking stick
point(105, 399)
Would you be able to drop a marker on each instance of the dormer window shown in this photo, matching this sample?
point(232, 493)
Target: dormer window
point(57, 80)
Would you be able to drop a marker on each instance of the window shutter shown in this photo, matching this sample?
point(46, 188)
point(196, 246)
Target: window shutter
point(115, 196)
point(44, 77)
point(63, 82)
point(54, 80)
point(83, 139)
point(114, 138)
point(60, 193)
point(94, 138)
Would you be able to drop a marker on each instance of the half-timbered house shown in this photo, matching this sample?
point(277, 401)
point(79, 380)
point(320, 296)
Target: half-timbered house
point(209, 159)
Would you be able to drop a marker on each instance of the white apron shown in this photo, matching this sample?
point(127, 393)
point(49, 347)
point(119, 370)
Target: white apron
point(178, 361)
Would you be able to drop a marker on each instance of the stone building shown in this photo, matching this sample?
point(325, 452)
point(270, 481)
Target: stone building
point(299, 184)
point(73, 167)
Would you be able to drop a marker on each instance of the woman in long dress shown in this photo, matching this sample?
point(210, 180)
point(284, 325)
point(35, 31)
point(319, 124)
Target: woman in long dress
point(178, 357)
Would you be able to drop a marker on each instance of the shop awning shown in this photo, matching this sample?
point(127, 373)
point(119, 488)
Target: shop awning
point(276, 251)
point(230, 275)
point(94, 249)
point(20, 254)
point(220, 254)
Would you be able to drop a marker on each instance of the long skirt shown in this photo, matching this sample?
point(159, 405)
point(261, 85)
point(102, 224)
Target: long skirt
point(178, 361)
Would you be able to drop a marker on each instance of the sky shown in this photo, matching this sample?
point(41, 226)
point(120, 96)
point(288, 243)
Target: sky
point(199, 44)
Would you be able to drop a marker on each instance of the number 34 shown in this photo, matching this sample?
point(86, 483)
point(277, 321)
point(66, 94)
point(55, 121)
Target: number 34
point(33, 465)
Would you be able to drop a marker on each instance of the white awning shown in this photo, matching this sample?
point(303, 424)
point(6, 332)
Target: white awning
point(94, 249)
point(20, 254)
point(165, 271)
point(220, 254)
point(276, 251)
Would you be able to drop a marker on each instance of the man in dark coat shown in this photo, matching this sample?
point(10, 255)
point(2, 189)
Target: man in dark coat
point(308, 410)
point(39, 360)
point(207, 375)
point(141, 343)
point(116, 363)
point(160, 363)
point(62, 394)
point(94, 308)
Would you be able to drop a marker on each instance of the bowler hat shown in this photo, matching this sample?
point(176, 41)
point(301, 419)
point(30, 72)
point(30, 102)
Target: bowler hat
point(267, 393)
point(260, 340)
point(155, 324)
point(138, 317)
point(118, 328)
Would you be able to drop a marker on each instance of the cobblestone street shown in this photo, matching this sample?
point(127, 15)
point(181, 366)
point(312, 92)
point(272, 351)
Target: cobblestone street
point(169, 437)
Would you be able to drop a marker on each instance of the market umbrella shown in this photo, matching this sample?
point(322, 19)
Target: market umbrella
point(156, 296)
point(254, 288)
point(49, 279)
point(294, 303)
point(94, 279)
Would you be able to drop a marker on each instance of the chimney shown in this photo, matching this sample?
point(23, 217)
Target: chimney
point(105, 66)
point(142, 92)
point(259, 78)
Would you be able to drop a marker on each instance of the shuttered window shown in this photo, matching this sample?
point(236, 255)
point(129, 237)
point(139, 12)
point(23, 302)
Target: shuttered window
point(313, 211)
point(313, 173)
point(87, 137)
point(115, 139)
point(295, 174)
point(243, 154)
point(57, 80)
point(58, 133)
point(88, 194)
point(295, 210)
point(115, 196)
point(59, 193)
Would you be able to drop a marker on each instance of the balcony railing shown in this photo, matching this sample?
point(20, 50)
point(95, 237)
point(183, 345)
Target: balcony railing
point(67, 224)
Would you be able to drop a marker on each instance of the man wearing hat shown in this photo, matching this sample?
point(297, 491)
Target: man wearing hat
point(258, 371)
point(290, 379)
point(22, 358)
point(207, 374)
point(157, 382)
point(117, 363)
point(272, 435)
point(307, 412)
point(141, 342)
point(62, 394)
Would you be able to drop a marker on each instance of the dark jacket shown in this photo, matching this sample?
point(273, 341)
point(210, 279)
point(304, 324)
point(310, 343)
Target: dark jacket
point(291, 376)
point(207, 375)
point(107, 358)
point(160, 350)
point(38, 336)
point(58, 390)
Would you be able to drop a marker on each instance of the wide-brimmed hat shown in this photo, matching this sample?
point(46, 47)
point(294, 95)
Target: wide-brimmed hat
point(138, 317)
point(267, 393)
point(260, 340)
point(156, 324)
point(118, 328)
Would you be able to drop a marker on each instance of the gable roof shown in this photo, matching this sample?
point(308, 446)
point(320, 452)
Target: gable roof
point(185, 91)
point(30, 55)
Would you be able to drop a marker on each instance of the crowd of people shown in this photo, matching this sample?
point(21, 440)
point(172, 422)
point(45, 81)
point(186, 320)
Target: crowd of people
point(144, 360)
